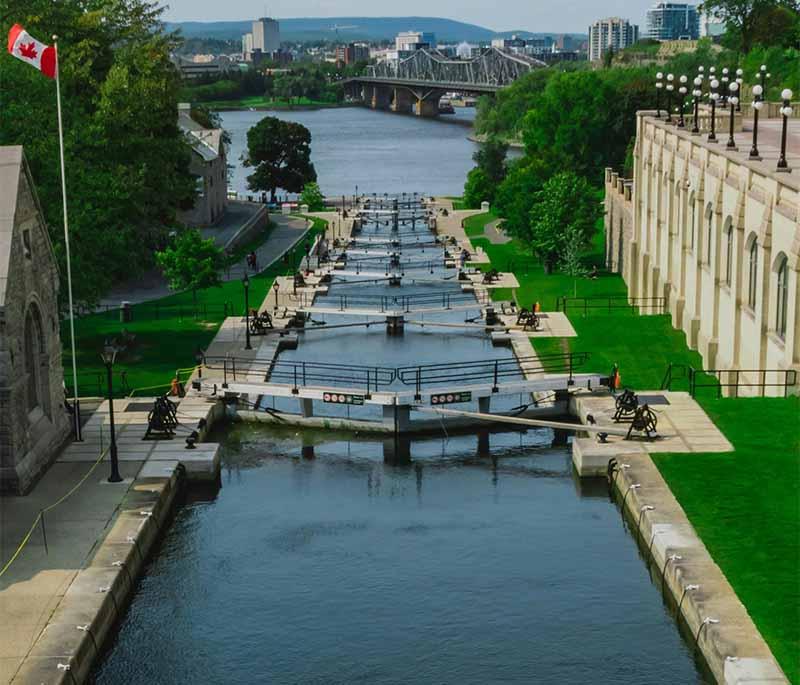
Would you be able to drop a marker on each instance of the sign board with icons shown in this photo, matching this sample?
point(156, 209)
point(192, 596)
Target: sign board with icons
point(342, 398)
point(451, 398)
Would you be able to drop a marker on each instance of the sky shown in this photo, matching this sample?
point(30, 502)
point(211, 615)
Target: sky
point(500, 15)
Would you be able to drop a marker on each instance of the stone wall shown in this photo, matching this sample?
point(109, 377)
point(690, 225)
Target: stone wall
point(618, 219)
point(29, 435)
point(718, 236)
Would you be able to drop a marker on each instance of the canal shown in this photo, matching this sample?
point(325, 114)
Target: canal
point(319, 561)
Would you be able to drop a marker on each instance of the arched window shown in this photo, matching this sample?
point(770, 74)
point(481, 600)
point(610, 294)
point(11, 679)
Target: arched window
point(34, 347)
point(782, 293)
point(709, 232)
point(752, 284)
point(729, 253)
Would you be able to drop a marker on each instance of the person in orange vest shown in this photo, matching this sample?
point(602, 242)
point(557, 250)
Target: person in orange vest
point(616, 379)
point(537, 307)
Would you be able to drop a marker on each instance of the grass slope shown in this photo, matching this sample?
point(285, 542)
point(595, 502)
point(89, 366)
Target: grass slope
point(745, 505)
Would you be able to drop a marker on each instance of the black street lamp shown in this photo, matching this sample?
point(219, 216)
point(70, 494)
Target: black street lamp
point(108, 356)
point(697, 93)
point(786, 112)
point(758, 103)
point(682, 92)
point(713, 96)
point(659, 86)
point(740, 81)
point(724, 89)
point(670, 88)
point(246, 284)
point(733, 100)
point(275, 288)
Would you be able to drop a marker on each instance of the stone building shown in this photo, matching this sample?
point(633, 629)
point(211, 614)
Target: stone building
point(717, 236)
point(209, 166)
point(33, 419)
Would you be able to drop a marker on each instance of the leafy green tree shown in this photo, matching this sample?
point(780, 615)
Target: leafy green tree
point(313, 197)
point(127, 162)
point(191, 262)
point(478, 188)
point(742, 17)
point(514, 197)
point(280, 151)
point(562, 220)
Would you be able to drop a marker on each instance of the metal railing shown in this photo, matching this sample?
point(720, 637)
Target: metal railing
point(95, 383)
point(301, 373)
point(405, 303)
point(155, 310)
point(610, 303)
point(490, 370)
point(733, 379)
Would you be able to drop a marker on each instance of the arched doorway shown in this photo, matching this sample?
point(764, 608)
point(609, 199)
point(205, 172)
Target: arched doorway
point(37, 382)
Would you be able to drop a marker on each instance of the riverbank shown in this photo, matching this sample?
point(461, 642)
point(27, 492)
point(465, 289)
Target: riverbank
point(481, 138)
point(756, 496)
point(261, 104)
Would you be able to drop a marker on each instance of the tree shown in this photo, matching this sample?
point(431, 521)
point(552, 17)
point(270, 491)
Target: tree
point(127, 162)
point(313, 197)
point(478, 188)
point(280, 151)
point(741, 17)
point(514, 197)
point(562, 220)
point(191, 262)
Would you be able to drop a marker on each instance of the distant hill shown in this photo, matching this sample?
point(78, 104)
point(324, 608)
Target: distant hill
point(348, 28)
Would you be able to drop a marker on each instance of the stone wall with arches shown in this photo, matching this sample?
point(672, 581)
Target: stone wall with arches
point(33, 419)
point(718, 235)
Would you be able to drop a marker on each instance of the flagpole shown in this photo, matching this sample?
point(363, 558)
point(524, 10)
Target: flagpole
point(76, 401)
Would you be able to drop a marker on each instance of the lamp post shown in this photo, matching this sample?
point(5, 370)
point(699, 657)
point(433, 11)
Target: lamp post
point(740, 81)
point(758, 103)
point(108, 356)
point(670, 88)
point(697, 93)
point(786, 112)
point(733, 100)
point(659, 87)
point(713, 96)
point(275, 288)
point(682, 91)
point(724, 89)
point(246, 284)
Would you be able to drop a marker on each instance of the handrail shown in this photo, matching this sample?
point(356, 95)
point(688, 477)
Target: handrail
point(405, 303)
point(611, 302)
point(713, 378)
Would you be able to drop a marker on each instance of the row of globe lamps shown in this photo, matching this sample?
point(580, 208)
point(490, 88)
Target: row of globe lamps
point(724, 92)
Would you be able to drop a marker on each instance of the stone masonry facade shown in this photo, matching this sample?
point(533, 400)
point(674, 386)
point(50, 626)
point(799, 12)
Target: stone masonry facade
point(33, 420)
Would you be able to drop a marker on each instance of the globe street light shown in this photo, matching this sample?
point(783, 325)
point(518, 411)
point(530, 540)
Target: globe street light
point(740, 81)
point(733, 100)
point(786, 112)
point(724, 89)
point(697, 93)
point(713, 96)
point(108, 355)
point(670, 88)
point(246, 284)
point(659, 86)
point(682, 91)
point(758, 103)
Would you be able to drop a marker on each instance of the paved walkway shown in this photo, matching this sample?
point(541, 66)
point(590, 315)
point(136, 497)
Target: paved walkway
point(152, 285)
point(494, 234)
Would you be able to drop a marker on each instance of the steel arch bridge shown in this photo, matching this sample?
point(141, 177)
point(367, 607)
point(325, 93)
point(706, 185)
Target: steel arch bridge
point(417, 82)
point(491, 70)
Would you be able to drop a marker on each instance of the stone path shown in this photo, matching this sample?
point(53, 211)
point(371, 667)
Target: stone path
point(494, 234)
point(151, 286)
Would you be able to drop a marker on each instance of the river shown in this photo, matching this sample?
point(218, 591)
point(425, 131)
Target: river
point(374, 150)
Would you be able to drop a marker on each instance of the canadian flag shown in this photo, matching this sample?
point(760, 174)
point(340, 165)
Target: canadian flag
point(25, 47)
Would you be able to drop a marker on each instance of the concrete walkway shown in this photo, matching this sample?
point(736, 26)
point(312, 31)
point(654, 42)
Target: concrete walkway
point(494, 234)
point(152, 285)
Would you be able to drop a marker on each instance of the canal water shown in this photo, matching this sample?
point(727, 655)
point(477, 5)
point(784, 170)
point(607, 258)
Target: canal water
point(318, 561)
point(376, 151)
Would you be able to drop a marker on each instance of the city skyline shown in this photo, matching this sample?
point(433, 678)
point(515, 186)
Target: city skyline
point(574, 15)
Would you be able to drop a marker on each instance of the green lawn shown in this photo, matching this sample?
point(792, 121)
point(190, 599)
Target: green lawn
point(168, 333)
point(745, 504)
point(260, 102)
point(474, 225)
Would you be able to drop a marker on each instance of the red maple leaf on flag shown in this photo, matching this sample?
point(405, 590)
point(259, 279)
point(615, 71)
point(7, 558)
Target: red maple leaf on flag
point(28, 51)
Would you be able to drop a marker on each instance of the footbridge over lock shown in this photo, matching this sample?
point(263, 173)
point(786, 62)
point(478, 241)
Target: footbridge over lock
point(417, 83)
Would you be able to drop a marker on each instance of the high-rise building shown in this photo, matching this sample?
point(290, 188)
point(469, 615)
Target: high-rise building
point(247, 47)
point(266, 36)
point(352, 53)
point(408, 41)
point(673, 21)
point(613, 33)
